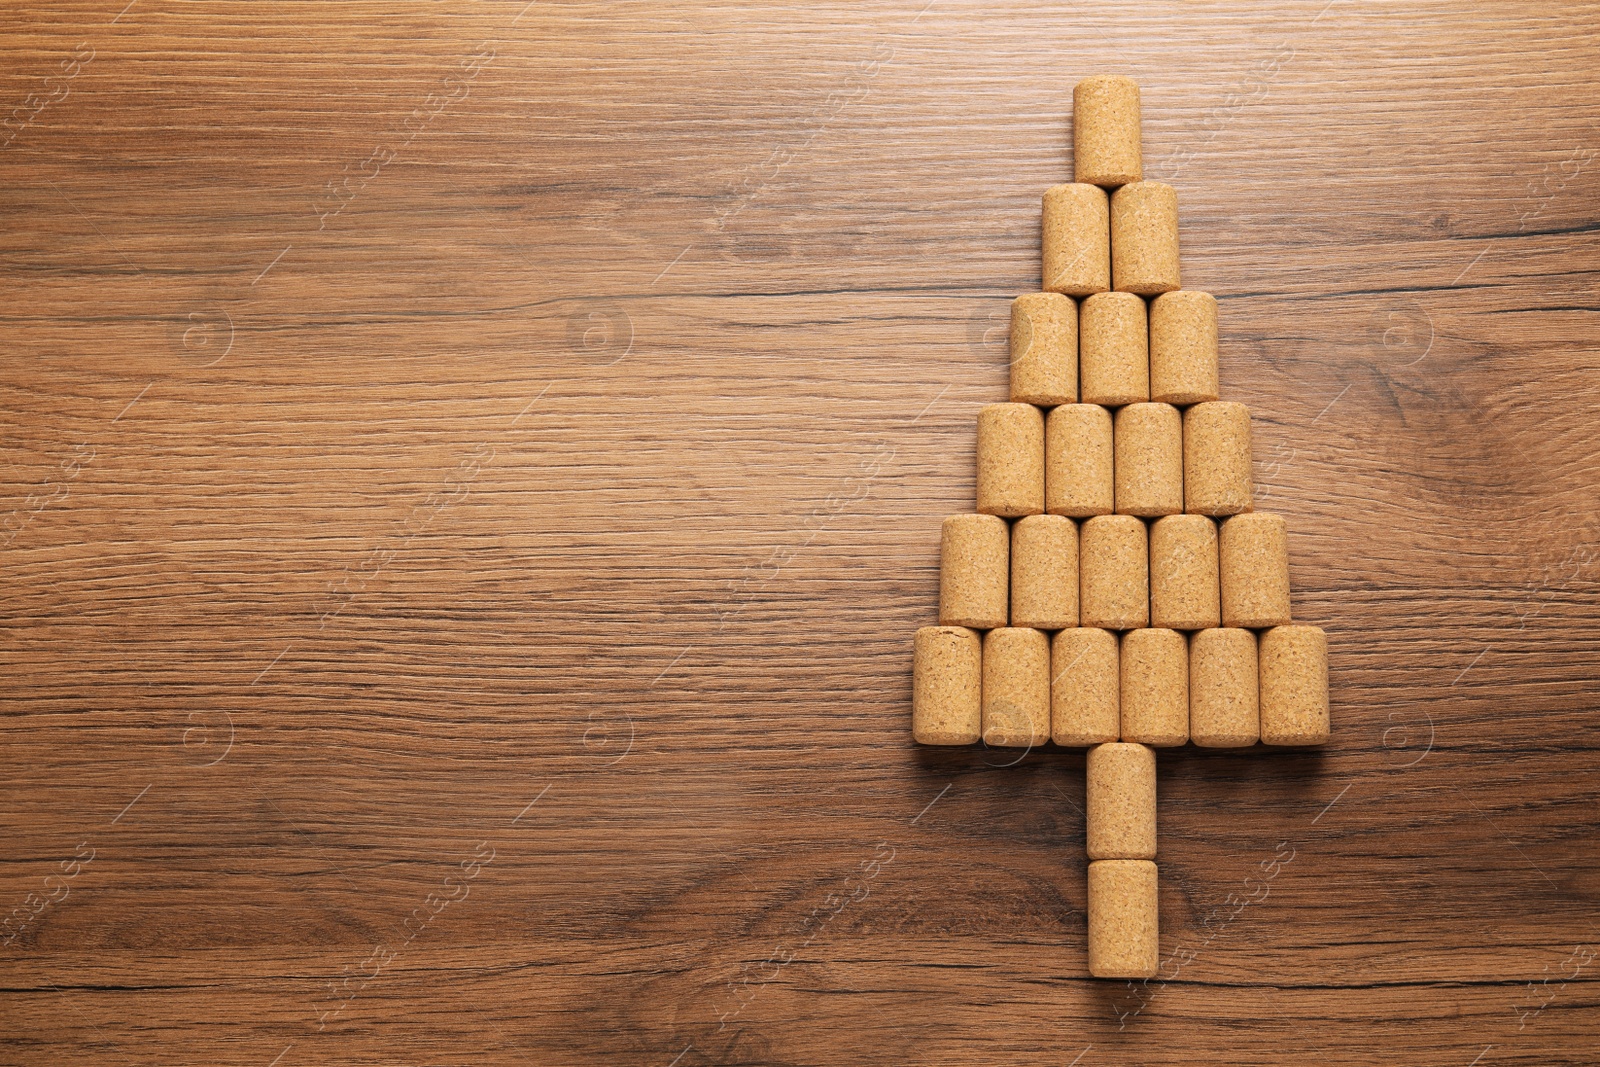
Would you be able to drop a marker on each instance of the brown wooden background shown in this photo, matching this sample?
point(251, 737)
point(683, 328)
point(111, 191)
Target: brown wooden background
point(471, 473)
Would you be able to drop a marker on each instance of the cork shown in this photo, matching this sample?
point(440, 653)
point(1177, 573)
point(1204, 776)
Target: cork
point(1113, 573)
point(1294, 686)
point(1183, 347)
point(1148, 440)
point(1105, 131)
point(1016, 688)
point(1216, 458)
point(1083, 687)
point(1076, 239)
point(1044, 349)
point(1155, 687)
point(1044, 572)
point(1223, 702)
point(946, 686)
point(1121, 802)
point(974, 571)
point(1254, 565)
point(1184, 590)
point(1010, 460)
point(1113, 350)
point(1124, 934)
point(1077, 461)
point(1144, 239)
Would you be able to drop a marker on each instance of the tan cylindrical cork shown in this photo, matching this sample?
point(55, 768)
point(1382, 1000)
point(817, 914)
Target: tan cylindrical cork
point(1076, 239)
point(1294, 686)
point(1010, 460)
point(1148, 441)
point(1044, 572)
point(1185, 593)
point(1083, 687)
point(1216, 458)
point(1124, 928)
point(1016, 688)
point(1044, 349)
point(1121, 808)
point(1113, 350)
point(1183, 347)
point(1105, 131)
point(974, 571)
point(1113, 573)
point(1155, 687)
point(1224, 708)
point(946, 686)
point(1254, 565)
point(1077, 461)
point(1144, 239)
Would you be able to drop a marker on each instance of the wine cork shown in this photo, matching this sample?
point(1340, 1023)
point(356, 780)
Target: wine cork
point(1113, 350)
point(1044, 572)
point(1185, 593)
point(1016, 688)
point(1216, 458)
point(1077, 461)
point(1254, 565)
point(1121, 802)
point(1148, 440)
point(1144, 239)
point(1076, 239)
point(1105, 130)
point(1155, 687)
point(1124, 928)
point(946, 686)
point(1044, 349)
point(974, 571)
point(1010, 460)
point(1083, 687)
point(1294, 686)
point(1113, 573)
point(1183, 347)
point(1223, 689)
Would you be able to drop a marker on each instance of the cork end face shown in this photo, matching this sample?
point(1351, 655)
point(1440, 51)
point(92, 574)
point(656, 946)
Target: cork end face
point(1069, 288)
point(1150, 511)
point(1306, 739)
point(1216, 511)
point(1010, 510)
point(1254, 622)
point(1187, 624)
point(1008, 737)
point(1042, 399)
point(1108, 179)
point(973, 622)
point(1051, 623)
point(1239, 740)
point(1074, 740)
point(1122, 969)
point(1148, 286)
point(944, 737)
point(1174, 739)
point(1181, 399)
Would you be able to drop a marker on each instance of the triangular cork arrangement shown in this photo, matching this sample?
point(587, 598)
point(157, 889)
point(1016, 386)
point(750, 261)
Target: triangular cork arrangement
point(1114, 590)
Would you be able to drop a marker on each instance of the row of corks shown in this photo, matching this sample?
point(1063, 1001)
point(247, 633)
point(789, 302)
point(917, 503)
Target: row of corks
point(1224, 687)
point(1147, 459)
point(1117, 572)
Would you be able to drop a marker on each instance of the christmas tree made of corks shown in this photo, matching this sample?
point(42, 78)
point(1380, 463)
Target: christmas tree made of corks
point(1114, 589)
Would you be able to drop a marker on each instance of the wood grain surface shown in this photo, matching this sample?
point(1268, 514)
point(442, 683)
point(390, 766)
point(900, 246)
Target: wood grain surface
point(471, 473)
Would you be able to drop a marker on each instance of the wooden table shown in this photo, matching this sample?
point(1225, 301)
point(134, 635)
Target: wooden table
point(473, 472)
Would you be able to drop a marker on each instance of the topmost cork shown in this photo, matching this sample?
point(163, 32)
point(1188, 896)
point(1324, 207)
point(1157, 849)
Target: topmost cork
point(1105, 131)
